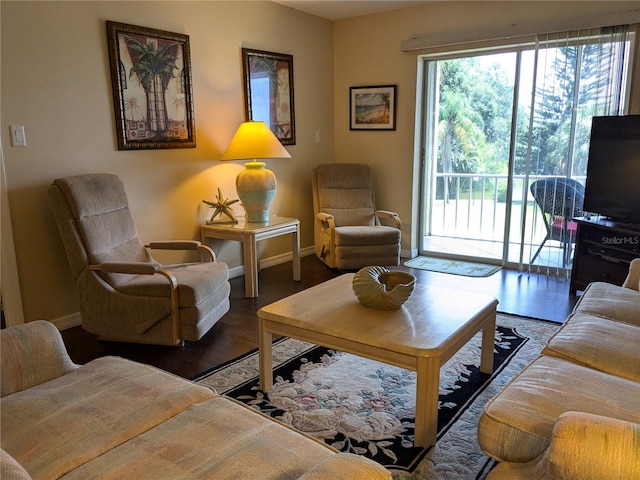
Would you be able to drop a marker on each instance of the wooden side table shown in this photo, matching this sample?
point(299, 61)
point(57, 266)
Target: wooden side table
point(250, 233)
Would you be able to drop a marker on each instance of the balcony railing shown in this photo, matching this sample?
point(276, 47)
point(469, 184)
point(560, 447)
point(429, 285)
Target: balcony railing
point(473, 207)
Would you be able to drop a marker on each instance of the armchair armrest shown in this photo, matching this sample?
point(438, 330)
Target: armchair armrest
point(182, 245)
point(633, 278)
point(30, 354)
point(131, 268)
point(589, 447)
point(325, 239)
point(145, 268)
point(175, 245)
point(328, 221)
point(391, 216)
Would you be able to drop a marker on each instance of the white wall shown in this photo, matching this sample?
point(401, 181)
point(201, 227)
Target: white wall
point(367, 52)
point(56, 82)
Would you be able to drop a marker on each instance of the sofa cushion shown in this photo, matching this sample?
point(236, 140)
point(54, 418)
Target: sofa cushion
point(594, 447)
point(517, 424)
point(57, 426)
point(10, 469)
point(583, 447)
point(610, 301)
point(633, 278)
point(346, 466)
point(357, 236)
point(352, 258)
point(599, 343)
point(346, 192)
point(218, 438)
point(196, 282)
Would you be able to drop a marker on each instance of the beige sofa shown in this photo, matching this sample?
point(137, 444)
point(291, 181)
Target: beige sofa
point(574, 412)
point(114, 418)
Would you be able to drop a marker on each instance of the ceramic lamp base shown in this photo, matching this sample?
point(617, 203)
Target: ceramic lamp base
point(256, 186)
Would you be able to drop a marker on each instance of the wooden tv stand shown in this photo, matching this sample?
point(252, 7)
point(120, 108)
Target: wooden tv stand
point(604, 249)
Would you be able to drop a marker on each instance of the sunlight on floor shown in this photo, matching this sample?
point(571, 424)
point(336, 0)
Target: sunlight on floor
point(550, 256)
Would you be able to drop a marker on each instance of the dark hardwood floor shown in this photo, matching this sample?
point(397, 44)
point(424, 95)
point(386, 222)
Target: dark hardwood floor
point(236, 333)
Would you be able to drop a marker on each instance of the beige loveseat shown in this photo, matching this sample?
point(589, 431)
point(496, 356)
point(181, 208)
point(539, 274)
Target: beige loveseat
point(114, 418)
point(574, 412)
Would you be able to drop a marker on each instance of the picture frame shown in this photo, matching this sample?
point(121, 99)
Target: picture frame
point(372, 107)
point(153, 100)
point(268, 92)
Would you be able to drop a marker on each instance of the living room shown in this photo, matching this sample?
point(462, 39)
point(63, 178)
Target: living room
point(56, 80)
point(56, 83)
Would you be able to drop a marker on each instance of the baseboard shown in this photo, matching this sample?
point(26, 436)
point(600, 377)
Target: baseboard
point(272, 261)
point(68, 321)
point(73, 320)
point(412, 253)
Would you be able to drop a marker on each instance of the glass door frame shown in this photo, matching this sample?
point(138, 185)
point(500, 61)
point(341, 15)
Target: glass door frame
point(426, 140)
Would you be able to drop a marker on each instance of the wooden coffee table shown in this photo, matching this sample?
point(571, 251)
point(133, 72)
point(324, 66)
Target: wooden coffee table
point(421, 336)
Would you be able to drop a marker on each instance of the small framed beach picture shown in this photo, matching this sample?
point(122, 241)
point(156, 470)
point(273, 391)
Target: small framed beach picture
point(373, 108)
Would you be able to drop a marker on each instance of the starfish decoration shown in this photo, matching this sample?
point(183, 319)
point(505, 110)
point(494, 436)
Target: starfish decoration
point(221, 206)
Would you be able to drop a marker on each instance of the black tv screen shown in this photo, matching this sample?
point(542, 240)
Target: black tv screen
point(612, 188)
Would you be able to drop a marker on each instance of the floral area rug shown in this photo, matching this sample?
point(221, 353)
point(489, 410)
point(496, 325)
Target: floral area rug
point(366, 407)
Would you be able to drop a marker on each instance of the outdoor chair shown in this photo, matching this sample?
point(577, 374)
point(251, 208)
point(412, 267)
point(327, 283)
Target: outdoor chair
point(559, 199)
point(348, 232)
point(124, 294)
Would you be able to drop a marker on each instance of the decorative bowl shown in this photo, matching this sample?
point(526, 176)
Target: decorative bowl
point(382, 289)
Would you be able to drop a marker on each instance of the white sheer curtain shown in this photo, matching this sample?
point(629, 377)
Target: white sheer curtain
point(573, 76)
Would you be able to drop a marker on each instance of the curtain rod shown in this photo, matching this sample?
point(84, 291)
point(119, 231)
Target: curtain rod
point(424, 42)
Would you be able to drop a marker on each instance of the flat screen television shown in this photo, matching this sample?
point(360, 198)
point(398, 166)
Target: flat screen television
point(612, 187)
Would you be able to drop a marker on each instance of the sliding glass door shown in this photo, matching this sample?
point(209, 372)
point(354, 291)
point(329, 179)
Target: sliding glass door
point(495, 123)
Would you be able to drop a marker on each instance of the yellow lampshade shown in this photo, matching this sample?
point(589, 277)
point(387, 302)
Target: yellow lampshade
point(256, 185)
point(254, 140)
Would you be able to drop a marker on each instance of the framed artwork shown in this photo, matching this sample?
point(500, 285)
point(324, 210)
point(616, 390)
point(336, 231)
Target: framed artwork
point(268, 92)
point(373, 108)
point(152, 87)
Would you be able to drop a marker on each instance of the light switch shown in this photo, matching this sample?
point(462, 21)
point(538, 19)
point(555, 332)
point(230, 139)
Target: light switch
point(17, 136)
point(317, 136)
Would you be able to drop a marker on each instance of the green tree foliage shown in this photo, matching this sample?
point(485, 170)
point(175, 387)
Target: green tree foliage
point(475, 111)
point(474, 116)
point(562, 116)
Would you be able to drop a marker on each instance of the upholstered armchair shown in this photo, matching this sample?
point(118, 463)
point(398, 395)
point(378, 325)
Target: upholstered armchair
point(124, 294)
point(348, 232)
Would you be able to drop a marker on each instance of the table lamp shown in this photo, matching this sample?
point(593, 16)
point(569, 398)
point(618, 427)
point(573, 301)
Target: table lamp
point(256, 185)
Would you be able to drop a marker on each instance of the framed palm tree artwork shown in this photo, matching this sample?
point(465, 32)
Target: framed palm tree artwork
point(152, 87)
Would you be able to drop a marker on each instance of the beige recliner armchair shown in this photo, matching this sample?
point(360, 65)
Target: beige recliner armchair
point(348, 233)
point(125, 295)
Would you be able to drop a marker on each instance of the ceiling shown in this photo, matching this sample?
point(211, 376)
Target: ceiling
point(339, 9)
